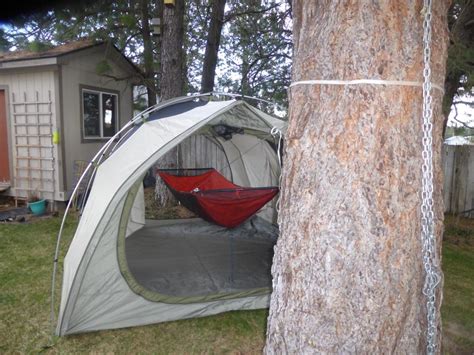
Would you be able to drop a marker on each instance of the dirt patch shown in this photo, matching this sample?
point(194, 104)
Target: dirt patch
point(10, 213)
point(152, 211)
point(6, 203)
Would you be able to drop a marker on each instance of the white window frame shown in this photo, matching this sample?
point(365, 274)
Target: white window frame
point(101, 114)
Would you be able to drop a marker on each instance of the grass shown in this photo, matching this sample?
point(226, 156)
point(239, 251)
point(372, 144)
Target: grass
point(26, 252)
point(458, 303)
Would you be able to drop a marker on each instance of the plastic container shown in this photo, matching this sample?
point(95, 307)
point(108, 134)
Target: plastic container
point(38, 207)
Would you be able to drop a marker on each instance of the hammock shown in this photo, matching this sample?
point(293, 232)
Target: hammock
point(214, 198)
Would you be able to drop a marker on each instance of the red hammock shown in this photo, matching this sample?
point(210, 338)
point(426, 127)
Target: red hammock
point(215, 199)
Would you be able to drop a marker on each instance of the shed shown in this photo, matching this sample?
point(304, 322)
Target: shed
point(57, 107)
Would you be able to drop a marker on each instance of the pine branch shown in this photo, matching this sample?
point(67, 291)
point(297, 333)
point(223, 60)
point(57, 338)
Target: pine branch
point(231, 16)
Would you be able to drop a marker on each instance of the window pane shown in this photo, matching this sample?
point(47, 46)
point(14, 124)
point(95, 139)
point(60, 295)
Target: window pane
point(109, 112)
point(91, 114)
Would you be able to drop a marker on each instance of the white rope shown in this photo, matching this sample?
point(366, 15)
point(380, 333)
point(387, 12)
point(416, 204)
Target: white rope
point(364, 82)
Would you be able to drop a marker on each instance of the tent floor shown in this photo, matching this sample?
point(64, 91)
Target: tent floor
point(193, 257)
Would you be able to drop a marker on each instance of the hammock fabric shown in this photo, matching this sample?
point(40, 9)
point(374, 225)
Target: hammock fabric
point(215, 199)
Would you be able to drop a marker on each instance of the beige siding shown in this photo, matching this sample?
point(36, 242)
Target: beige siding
point(32, 117)
point(80, 69)
point(48, 100)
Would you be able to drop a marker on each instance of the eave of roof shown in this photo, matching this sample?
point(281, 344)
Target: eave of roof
point(23, 59)
point(57, 51)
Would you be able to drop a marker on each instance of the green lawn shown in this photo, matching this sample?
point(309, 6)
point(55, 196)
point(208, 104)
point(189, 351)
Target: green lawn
point(458, 304)
point(26, 253)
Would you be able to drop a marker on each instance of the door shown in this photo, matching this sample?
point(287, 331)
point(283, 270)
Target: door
point(4, 156)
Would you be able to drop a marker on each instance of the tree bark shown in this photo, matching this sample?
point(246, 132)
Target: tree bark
point(212, 46)
point(148, 54)
point(171, 83)
point(172, 53)
point(347, 271)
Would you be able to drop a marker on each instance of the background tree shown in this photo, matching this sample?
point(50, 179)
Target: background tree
point(347, 271)
point(172, 83)
point(460, 69)
point(212, 45)
point(254, 32)
point(258, 47)
point(173, 75)
point(460, 65)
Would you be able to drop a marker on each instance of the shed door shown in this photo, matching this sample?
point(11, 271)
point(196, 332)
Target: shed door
point(4, 163)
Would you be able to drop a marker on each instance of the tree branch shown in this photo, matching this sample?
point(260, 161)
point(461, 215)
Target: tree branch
point(231, 16)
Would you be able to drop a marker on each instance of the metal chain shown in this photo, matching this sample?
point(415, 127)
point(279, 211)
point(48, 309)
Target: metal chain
point(428, 238)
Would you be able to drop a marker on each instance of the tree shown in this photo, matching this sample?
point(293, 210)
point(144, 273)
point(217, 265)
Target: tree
point(254, 32)
point(460, 65)
point(172, 82)
point(347, 271)
point(212, 45)
point(460, 68)
point(258, 47)
point(173, 76)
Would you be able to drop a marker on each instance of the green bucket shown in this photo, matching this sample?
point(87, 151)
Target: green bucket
point(38, 207)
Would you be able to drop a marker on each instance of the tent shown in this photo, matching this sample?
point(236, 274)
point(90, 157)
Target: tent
point(122, 270)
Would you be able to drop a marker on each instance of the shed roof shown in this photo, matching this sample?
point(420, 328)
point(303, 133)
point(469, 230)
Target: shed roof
point(59, 51)
point(48, 53)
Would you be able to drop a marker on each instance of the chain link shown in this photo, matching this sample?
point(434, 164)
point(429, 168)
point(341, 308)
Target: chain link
point(428, 238)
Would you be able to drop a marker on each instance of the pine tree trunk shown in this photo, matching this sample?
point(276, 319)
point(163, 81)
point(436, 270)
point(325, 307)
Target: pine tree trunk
point(347, 271)
point(171, 83)
point(212, 46)
point(172, 53)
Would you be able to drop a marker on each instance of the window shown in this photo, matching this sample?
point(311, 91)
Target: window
point(99, 114)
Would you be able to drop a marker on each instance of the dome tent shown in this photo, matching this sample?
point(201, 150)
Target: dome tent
point(122, 270)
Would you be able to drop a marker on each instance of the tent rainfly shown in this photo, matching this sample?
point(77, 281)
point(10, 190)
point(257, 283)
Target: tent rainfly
point(122, 270)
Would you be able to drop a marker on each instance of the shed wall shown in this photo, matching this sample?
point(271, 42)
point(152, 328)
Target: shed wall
point(32, 118)
point(81, 69)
